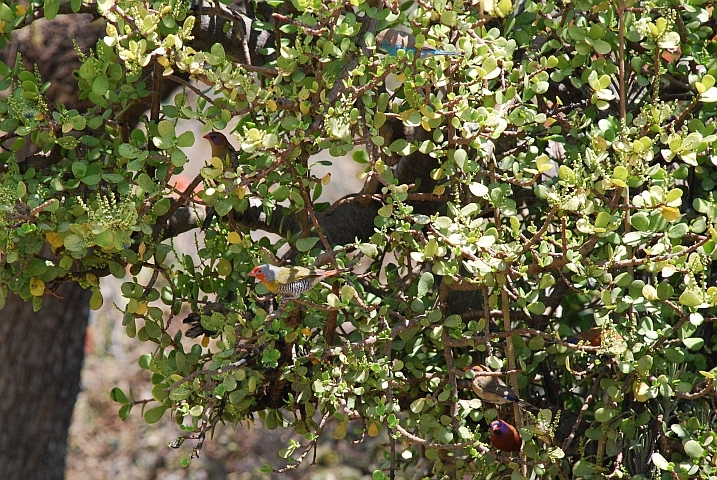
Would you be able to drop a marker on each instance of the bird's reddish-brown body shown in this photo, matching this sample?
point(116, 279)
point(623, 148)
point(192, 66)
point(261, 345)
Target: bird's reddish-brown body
point(504, 436)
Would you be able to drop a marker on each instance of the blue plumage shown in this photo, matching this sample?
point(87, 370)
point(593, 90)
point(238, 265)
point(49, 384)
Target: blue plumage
point(392, 40)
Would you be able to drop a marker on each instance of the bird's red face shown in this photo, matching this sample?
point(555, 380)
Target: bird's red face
point(257, 273)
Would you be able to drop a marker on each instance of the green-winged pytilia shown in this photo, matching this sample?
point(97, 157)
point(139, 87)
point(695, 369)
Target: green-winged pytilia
point(290, 281)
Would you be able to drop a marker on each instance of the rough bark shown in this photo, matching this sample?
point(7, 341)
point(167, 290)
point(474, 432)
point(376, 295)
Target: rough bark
point(41, 354)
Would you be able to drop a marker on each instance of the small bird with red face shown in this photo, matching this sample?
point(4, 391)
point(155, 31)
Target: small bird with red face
point(504, 436)
point(494, 390)
point(290, 281)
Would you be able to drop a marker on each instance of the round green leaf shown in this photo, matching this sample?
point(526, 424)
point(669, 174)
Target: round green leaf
point(690, 298)
point(640, 221)
point(144, 361)
point(100, 85)
point(117, 395)
point(368, 249)
point(96, 300)
point(153, 415)
point(333, 301)
point(694, 449)
point(306, 244)
point(478, 189)
point(660, 461)
point(694, 343)
point(340, 431)
point(605, 414)
point(536, 308)
point(165, 128)
point(425, 283)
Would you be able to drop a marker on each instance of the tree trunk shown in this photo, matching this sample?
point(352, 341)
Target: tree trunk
point(41, 353)
point(41, 356)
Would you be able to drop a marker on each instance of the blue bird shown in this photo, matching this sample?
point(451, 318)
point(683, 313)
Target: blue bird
point(392, 40)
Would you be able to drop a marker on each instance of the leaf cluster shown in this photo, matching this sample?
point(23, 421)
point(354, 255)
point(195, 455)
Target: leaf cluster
point(554, 178)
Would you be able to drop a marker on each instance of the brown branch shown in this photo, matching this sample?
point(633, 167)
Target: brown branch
point(442, 446)
point(576, 425)
point(473, 340)
point(534, 239)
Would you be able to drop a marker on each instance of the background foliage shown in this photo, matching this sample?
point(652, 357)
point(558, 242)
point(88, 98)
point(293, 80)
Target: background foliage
point(555, 177)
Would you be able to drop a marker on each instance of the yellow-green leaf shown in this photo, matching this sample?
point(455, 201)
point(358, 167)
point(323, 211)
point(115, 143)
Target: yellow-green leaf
point(96, 300)
point(37, 287)
point(670, 214)
point(340, 431)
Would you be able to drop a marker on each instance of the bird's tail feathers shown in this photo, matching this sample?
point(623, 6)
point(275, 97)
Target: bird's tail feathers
point(334, 272)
